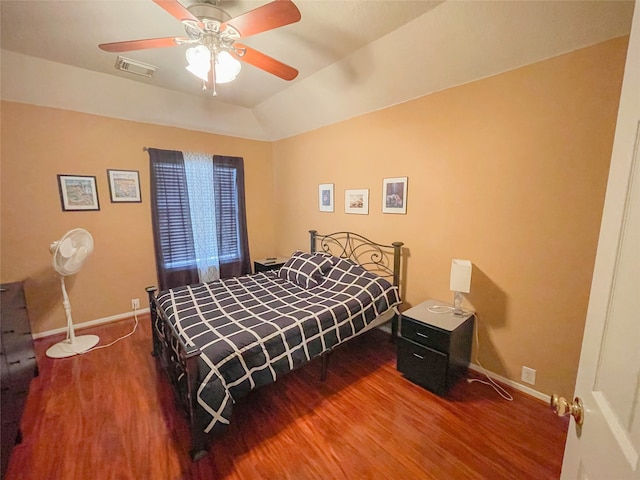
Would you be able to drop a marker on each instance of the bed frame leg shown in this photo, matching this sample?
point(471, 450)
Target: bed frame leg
point(151, 292)
point(394, 328)
point(198, 438)
point(200, 454)
point(197, 454)
point(325, 365)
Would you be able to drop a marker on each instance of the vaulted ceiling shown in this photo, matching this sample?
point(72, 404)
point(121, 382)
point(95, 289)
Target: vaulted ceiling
point(353, 57)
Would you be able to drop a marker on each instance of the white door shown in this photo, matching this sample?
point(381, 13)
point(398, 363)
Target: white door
point(607, 446)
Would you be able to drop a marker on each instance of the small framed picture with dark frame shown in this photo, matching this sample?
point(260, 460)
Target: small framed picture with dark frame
point(394, 195)
point(325, 197)
point(78, 193)
point(124, 186)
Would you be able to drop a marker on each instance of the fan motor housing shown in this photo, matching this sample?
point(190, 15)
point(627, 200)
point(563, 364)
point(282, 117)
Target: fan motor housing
point(212, 17)
point(207, 11)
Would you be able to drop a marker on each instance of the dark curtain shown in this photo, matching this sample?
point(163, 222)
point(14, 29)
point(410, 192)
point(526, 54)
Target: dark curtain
point(173, 238)
point(228, 211)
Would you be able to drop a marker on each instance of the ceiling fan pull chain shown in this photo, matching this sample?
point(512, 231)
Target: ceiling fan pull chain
point(213, 72)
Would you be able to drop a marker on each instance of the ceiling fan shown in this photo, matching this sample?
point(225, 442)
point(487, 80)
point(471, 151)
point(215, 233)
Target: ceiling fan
point(213, 33)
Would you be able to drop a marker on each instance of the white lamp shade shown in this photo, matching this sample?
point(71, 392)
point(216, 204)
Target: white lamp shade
point(199, 71)
point(198, 55)
point(199, 59)
point(227, 67)
point(460, 276)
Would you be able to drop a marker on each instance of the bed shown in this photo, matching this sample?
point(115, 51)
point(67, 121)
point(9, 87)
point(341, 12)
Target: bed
point(218, 341)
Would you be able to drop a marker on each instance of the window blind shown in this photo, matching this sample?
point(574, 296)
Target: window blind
point(226, 189)
point(173, 216)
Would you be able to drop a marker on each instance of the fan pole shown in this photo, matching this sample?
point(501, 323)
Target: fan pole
point(71, 337)
point(72, 345)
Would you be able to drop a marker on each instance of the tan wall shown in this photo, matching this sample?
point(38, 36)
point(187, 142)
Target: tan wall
point(509, 172)
point(39, 143)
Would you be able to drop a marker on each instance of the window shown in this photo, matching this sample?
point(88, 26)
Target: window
point(199, 217)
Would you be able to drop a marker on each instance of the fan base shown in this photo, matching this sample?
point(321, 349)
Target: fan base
point(66, 349)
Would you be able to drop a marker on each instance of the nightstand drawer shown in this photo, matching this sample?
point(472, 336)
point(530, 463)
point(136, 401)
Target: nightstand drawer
point(423, 366)
point(425, 334)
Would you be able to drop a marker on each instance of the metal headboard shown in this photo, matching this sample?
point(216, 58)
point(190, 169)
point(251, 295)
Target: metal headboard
point(381, 259)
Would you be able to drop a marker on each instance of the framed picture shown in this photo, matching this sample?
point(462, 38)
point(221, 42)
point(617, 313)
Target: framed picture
point(124, 186)
point(325, 197)
point(78, 192)
point(356, 201)
point(394, 195)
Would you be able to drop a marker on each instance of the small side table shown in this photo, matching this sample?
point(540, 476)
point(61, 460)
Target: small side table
point(434, 349)
point(266, 264)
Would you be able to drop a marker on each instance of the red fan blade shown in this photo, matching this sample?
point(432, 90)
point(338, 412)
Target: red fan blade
point(142, 44)
point(264, 62)
point(176, 10)
point(267, 17)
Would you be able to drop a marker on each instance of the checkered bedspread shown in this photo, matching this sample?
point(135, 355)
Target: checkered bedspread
point(253, 329)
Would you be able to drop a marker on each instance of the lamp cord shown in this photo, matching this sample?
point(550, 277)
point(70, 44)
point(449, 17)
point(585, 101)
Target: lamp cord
point(135, 326)
point(490, 381)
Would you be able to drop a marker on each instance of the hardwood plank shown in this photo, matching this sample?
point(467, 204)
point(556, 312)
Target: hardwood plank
point(110, 414)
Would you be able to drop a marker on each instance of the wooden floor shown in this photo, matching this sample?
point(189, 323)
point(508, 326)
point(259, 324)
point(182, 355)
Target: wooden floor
point(110, 414)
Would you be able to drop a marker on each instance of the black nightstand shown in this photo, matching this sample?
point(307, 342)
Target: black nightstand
point(434, 349)
point(267, 264)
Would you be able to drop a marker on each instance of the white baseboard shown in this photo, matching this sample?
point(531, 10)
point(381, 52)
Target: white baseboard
point(511, 383)
point(90, 323)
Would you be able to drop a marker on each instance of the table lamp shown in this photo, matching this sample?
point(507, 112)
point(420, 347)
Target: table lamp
point(460, 282)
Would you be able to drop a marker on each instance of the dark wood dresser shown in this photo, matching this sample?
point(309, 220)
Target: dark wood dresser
point(18, 363)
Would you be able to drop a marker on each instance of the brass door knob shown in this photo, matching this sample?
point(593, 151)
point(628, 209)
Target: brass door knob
point(562, 408)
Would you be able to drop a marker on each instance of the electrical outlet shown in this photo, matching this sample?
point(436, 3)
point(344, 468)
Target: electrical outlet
point(135, 303)
point(528, 375)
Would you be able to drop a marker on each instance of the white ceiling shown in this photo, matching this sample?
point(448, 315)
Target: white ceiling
point(353, 57)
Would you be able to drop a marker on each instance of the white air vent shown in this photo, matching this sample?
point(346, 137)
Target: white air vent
point(137, 68)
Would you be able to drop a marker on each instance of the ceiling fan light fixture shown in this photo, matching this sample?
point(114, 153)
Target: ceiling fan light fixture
point(227, 67)
point(199, 58)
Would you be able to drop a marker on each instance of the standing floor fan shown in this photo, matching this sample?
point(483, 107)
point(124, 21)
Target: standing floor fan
point(69, 254)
